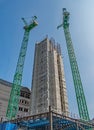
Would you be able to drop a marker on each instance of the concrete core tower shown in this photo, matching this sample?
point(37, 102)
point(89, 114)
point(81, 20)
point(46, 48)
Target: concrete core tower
point(48, 82)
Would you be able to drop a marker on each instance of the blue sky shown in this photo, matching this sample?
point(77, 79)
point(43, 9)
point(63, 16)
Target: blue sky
point(49, 13)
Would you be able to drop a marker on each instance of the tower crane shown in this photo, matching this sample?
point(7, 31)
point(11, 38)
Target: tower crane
point(16, 86)
point(81, 101)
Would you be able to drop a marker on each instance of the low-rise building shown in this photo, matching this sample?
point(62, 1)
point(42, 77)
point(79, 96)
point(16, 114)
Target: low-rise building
point(24, 102)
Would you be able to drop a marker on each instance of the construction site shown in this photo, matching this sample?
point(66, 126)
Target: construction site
point(46, 106)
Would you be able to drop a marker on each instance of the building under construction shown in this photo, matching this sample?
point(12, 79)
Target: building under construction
point(48, 83)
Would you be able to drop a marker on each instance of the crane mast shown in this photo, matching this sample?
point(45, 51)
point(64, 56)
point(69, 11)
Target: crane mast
point(81, 101)
point(16, 86)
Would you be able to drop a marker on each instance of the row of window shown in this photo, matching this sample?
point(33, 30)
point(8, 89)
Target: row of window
point(23, 109)
point(26, 95)
point(24, 102)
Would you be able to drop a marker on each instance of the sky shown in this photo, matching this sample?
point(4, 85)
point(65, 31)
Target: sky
point(49, 13)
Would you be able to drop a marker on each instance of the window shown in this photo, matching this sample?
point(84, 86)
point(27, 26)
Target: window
point(20, 109)
point(22, 94)
point(27, 95)
point(25, 110)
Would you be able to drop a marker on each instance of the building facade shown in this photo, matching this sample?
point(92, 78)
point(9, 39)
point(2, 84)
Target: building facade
point(24, 102)
point(48, 82)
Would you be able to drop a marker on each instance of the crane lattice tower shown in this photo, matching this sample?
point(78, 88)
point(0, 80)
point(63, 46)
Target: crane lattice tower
point(16, 86)
point(81, 101)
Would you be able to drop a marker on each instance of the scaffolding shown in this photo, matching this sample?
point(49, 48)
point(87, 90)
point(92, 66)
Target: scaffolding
point(46, 121)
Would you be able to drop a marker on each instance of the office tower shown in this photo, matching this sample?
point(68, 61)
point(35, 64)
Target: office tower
point(48, 81)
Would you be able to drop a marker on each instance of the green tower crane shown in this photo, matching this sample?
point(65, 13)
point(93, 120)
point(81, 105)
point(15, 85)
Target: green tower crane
point(16, 86)
point(81, 101)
